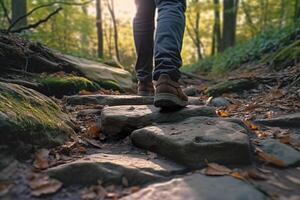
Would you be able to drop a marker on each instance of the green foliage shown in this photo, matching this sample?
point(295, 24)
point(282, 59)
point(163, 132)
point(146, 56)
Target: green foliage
point(69, 85)
point(254, 50)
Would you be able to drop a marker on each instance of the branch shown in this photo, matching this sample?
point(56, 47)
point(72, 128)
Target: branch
point(46, 5)
point(30, 26)
point(5, 11)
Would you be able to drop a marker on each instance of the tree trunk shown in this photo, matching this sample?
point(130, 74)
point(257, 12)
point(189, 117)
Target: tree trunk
point(99, 28)
point(282, 13)
point(111, 9)
point(248, 17)
point(193, 29)
point(297, 10)
point(229, 23)
point(19, 8)
point(217, 39)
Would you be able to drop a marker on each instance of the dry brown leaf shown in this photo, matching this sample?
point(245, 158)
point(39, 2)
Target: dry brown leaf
point(293, 179)
point(238, 175)
point(270, 158)
point(251, 125)
point(214, 169)
point(94, 131)
point(41, 159)
point(275, 94)
point(222, 113)
point(249, 174)
point(285, 139)
point(94, 192)
point(269, 114)
point(4, 188)
point(42, 185)
point(134, 189)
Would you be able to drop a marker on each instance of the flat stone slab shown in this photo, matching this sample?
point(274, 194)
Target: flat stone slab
point(112, 169)
point(196, 141)
point(284, 153)
point(120, 121)
point(291, 121)
point(118, 100)
point(199, 187)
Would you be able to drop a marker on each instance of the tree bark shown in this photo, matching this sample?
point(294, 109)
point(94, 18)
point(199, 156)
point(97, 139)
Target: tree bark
point(297, 10)
point(111, 9)
point(19, 8)
point(229, 23)
point(217, 38)
point(194, 29)
point(99, 26)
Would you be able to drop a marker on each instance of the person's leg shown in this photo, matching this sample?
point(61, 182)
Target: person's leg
point(168, 45)
point(169, 37)
point(143, 27)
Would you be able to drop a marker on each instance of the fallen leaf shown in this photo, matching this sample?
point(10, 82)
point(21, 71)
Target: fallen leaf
point(94, 192)
point(4, 188)
point(222, 113)
point(248, 174)
point(214, 169)
point(134, 189)
point(285, 139)
point(94, 131)
point(251, 125)
point(270, 158)
point(269, 114)
point(238, 175)
point(42, 185)
point(293, 179)
point(275, 94)
point(41, 159)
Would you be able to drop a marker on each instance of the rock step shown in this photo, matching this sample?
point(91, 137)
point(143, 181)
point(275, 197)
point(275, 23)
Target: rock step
point(196, 141)
point(120, 121)
point(118, 100)
point(290, 121)
point(199, 187)
point(113, 169)
point(285, 154)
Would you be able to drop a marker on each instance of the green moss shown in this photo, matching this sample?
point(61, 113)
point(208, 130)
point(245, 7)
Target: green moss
point(33, 118)
point(231, 86)
point(69, 85)
point(109, 85)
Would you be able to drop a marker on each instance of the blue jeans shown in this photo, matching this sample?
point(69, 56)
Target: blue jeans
point(166, 46)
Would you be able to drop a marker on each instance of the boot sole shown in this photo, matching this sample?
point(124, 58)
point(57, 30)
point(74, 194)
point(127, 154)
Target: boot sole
point(165, 100)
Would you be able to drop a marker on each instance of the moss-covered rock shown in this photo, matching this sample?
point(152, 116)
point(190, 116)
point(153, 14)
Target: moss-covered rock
point(28, 117)
point(100, 72)
point(230, 86)
point(66, 85)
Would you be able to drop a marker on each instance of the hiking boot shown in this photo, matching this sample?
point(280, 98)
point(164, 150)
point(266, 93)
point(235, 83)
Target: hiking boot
point(168, 93)
point(145, 88)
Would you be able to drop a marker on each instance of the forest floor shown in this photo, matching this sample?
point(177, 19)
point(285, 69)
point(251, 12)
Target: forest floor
point(243, 144)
